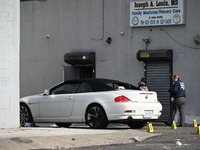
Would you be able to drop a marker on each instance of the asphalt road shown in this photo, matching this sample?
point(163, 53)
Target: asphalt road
point(165, 141)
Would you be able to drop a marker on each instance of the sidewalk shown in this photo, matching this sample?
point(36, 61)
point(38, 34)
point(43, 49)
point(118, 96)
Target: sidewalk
point(58, 138)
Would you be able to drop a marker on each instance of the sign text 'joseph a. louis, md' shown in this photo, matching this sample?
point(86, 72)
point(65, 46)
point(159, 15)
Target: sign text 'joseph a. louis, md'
point(156, 13)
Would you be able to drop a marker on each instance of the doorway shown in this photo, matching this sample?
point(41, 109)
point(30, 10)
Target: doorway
point(158, 73)
point(82, 65)
point(85, 72)
point(158, 79)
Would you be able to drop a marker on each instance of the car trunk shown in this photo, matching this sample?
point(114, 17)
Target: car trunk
point(139, 96)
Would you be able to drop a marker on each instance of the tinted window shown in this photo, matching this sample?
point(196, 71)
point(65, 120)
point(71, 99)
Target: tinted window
point(85, 87)
point(121, 85)
point(113, 85)
point(66, 88)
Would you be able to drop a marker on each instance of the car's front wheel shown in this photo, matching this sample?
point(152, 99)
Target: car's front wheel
point(63, 124)
point(136, 124)
point(25, 115)
point(96, 117)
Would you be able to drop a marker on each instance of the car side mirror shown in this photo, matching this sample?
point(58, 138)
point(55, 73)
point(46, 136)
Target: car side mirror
point(46, 92)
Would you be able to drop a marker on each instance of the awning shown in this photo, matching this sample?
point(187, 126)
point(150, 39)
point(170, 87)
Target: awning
point(153, 55)
point(80, 58)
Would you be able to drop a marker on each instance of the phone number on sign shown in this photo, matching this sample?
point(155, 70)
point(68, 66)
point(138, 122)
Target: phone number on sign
point(156, 22)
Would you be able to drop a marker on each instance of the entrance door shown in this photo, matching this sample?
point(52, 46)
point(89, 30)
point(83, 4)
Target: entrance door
point(79, 72)
point(82, 65)
point(86, 72)
point(158, 78)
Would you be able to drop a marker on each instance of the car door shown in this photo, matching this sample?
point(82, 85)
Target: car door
point(59, 103)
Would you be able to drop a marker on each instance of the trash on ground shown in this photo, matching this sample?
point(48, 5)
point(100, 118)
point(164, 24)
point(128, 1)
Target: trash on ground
point(136, 139)
point(178, 143)
point(28, 124)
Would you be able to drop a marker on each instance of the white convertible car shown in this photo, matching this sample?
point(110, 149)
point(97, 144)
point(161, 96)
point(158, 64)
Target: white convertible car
point(97, 102)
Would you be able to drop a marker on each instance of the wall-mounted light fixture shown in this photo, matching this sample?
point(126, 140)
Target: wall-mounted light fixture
point(48, 36)
point(197, 39)
point(109, 40)
point(122, 33)
point(147, 41)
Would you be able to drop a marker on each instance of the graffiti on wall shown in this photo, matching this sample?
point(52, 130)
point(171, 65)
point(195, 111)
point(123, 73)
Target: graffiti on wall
point(4, 81)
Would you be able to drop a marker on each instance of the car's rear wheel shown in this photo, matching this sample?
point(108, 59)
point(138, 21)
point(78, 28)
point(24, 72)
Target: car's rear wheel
point(25, 115)
point(136, 124)
point(63, 124)
point(96, 117)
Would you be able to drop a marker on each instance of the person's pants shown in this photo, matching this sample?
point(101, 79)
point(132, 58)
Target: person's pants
point(178, 104)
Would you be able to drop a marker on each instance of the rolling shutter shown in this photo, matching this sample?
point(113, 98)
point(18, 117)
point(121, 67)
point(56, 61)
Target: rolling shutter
point(158, 78)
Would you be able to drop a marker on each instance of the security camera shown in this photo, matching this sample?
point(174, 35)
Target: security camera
point(147, 40)
point(48, 36)
point(122, 33)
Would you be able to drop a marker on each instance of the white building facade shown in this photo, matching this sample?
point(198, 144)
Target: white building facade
point(9, 63)
point(115, 31)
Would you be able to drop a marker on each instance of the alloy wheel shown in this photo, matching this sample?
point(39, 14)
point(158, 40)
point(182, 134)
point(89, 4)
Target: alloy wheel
point(96, 117)
point(25, 115)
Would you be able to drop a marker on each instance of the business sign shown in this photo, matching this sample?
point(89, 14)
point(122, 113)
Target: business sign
point(156, 13)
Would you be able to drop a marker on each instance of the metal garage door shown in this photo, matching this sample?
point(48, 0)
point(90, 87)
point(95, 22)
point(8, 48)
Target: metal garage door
point(158, 78)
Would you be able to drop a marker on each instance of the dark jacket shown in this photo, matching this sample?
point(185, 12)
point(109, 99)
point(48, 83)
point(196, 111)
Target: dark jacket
point(143, 87)
point(178, 89)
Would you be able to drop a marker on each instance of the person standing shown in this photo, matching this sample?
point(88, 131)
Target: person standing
point(179, 95)
point(142, 86)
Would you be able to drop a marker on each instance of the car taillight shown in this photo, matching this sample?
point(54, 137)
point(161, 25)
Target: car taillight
point(129, 111)
point(121, 99)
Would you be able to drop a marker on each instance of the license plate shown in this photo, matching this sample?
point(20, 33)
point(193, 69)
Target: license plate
point(148, 113)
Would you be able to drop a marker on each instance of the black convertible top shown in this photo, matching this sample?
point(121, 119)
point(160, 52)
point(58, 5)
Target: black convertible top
point(102, 84)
